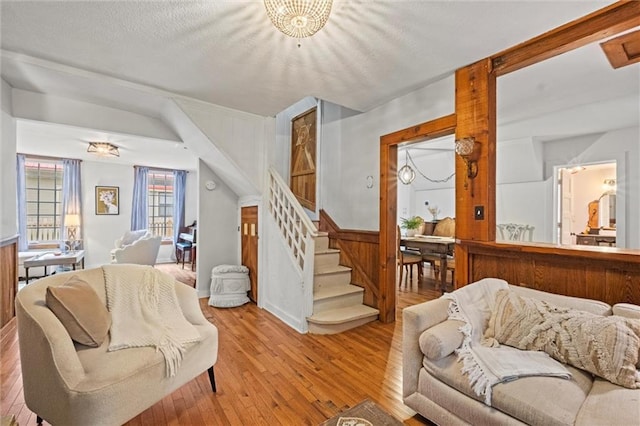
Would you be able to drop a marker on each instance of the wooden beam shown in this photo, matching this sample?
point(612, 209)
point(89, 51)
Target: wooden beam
point(430, 130)
point(603, 23)
point(388, 209)
point(476, 111)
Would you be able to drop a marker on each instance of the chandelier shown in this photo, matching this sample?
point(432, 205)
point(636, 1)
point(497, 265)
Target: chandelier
point(103, 149)
point(298, 18)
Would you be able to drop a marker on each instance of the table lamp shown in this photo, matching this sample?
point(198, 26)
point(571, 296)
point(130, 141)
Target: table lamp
point(72, 222)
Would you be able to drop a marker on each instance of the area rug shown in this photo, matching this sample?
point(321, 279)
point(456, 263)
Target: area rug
point(366, 413)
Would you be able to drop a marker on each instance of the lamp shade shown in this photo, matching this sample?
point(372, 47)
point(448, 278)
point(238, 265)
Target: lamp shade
point(298, 18)
point(71, 220)
point(406, 174)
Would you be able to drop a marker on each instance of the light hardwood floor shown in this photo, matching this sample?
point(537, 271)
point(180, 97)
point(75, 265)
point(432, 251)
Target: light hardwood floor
point(268, 374)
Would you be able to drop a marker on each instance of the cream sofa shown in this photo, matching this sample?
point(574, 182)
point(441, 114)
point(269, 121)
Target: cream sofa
point(66, 383)
point(438, 391)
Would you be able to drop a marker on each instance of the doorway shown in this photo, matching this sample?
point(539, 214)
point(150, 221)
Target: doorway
point(583, 203)
point(249, 242)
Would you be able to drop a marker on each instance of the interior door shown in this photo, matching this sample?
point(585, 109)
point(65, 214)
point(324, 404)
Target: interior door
point(566, 207)
point(249, 231)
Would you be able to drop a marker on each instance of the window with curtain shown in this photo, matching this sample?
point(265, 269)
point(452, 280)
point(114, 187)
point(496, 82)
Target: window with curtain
point(43, 197)
point(160, 187)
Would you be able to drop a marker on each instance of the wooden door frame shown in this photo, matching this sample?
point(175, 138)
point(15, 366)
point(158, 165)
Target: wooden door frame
point(439, 127)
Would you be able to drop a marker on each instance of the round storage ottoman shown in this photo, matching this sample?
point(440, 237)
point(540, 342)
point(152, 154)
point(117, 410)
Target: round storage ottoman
point(229, 286)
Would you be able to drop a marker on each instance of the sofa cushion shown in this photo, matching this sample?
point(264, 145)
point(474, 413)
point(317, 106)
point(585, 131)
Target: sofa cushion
point(532, 400)
point(609, 404)
point(80, 310)
point(442, 339)
point(626, 310)
point(589, 305)
point(606, 346)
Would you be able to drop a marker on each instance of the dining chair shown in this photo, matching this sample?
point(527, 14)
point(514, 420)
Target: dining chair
point(406, 260)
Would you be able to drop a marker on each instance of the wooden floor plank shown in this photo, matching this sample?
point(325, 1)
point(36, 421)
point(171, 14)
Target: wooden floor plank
point(266, 372)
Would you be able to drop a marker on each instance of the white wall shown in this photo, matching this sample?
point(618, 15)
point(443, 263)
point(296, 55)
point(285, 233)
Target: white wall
point(218, 233)
point(351, 204)
point(100, 231)
point(60, 110)
point(8, 206)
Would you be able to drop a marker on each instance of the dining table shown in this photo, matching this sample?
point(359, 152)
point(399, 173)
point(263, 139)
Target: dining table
point(433, 245)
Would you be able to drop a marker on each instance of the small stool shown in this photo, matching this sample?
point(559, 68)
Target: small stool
point(229, 286)
point(182, 249)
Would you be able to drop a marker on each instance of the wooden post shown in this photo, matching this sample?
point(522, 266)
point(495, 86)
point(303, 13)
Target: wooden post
point(475, 197)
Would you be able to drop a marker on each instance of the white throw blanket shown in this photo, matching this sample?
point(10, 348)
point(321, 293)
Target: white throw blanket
point(488, 366)
point(145, 312)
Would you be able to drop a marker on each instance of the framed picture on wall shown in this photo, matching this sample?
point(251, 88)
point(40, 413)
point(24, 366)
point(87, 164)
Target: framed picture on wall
point(107, 200)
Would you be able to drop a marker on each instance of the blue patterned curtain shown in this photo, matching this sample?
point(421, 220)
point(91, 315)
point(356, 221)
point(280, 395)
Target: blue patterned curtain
point(21, 194)
point(71, 197)
point(139, 211)
point(179, 188)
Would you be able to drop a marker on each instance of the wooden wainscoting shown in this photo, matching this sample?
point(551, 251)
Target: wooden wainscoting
point(609, 274)
point(8, 278)
point(359, 250)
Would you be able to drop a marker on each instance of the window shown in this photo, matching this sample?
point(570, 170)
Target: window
point(160, 192)
point(43, 199)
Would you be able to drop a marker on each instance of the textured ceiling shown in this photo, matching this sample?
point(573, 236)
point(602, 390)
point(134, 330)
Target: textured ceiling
point(228, 53)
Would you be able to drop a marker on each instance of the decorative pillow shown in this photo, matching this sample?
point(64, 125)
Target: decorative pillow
point(606, 346)
point(441, 340)
point(80, 310)
point(130, 237)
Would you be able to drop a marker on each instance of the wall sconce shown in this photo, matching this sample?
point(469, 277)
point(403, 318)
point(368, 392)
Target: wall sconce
point(465, 148)
point(406, 174)
point(609, 185)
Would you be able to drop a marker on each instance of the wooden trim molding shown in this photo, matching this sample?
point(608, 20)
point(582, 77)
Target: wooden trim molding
point(8, 278)
point(602, 23)
point(388, 202)
point(608, 274)
point(624, 50)
point(359, 251)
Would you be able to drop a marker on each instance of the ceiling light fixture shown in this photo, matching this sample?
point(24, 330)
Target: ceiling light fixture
point(103, 149)
point(406, 174)
point(298, 18)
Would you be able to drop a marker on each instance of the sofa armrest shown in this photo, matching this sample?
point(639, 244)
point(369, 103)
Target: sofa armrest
point(415, 320)
point(50, 364)
point(190, 304)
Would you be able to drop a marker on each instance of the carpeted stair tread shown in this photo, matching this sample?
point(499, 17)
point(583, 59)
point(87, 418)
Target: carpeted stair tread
point(330, 292)
point(327, 251)
point(332, 269)
point(341, 315)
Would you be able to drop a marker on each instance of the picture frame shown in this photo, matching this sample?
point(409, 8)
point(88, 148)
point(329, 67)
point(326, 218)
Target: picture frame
point(303, 158)
point(107, 200)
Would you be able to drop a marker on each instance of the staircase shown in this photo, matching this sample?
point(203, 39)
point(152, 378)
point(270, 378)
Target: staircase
point(337, 304)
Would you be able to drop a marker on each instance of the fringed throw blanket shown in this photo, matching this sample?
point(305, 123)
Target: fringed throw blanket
point(606, 346)
point(145, 312)
point(488, 366)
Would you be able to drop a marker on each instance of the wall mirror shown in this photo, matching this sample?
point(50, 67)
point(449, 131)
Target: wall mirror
point(570, 112)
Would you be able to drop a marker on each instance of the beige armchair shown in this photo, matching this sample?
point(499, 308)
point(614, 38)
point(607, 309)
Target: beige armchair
point(66, 383)
point(141, 251)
